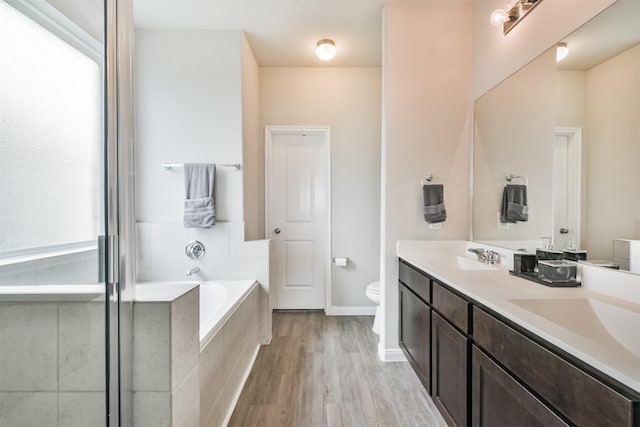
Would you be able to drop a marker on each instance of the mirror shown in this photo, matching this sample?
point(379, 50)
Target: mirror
point(573, 129)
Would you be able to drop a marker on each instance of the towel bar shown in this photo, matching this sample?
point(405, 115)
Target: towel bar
point(511, 177)
point(427, 178)
point(169, 166)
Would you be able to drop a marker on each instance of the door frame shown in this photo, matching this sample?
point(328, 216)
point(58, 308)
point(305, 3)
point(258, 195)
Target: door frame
point(325, 131)
point(574, 177)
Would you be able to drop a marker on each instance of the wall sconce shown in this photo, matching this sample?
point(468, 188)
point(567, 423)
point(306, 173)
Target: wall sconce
point(562, 50)
point(326, 49)
point(512, 14)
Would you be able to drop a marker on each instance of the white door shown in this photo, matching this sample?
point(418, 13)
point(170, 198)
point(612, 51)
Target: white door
point(567, 167)
point(297, 199)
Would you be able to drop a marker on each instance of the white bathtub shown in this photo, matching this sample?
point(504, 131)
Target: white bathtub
point(228, 344)
point(218, 301)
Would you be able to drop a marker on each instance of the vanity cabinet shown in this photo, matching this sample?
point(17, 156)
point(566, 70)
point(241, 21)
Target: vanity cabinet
point(500, 401)
point(482, 369)
point(415, 321)
point(579, 397)
point(449, 377)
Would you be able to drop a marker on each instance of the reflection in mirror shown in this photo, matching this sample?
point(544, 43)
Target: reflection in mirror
point(573, 129)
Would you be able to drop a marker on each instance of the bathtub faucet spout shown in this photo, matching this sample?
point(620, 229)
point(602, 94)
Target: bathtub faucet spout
point(193, 271)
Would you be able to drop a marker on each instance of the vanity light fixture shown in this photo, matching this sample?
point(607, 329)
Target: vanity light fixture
point(498, 17)
point(513, 13)
point(562, 50)
point(326, 49)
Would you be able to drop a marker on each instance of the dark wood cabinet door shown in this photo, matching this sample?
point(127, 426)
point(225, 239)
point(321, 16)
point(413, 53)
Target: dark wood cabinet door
point(499, 400)
point(415, 326)
point(449, 352)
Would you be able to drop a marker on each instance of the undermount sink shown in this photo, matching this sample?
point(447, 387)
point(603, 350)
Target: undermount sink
point(464, 263)
point(601, 322)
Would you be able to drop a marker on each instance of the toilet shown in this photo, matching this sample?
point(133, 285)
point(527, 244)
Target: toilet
point(373, 293)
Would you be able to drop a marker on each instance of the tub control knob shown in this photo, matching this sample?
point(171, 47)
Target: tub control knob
point(194, 249)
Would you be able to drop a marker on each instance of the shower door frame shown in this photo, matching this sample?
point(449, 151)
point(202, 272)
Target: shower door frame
point(120, 218)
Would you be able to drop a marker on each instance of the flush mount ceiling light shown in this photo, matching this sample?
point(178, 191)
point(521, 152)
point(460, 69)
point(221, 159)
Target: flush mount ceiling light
point(326, 49)
point(562, 50)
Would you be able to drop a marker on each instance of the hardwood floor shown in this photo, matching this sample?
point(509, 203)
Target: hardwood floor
point(324, 371)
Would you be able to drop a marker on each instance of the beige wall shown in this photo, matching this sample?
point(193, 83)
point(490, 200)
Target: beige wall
point(612, 153)
point(514, 127)
point(252, 163)
point(426, 129)
point(347, 100)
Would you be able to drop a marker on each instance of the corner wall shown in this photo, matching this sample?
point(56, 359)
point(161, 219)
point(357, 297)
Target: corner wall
point(426, 129)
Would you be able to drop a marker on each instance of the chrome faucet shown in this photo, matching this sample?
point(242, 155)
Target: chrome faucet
point(486, 256)
point(193, 271)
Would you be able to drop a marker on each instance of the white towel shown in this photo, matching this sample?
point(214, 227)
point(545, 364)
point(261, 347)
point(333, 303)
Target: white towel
point(199, 203)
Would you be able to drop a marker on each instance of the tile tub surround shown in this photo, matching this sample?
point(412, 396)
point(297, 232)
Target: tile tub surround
point(161, 257)
point(499, 291)
point(56, 374)
point(175, 382)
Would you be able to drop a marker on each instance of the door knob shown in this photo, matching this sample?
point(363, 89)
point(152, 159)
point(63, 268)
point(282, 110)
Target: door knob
point(564, 230)
point(277, 231)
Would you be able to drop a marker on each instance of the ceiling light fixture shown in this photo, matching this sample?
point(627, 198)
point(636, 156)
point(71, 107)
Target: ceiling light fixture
point(562, 50)
point(326, 49)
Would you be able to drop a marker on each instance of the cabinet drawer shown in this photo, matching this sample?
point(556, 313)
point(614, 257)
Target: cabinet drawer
point(451, 306)
point(577, 395)
point(416, 281)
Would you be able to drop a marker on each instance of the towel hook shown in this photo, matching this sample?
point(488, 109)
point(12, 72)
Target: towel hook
point(427, 178)
point(510, 177)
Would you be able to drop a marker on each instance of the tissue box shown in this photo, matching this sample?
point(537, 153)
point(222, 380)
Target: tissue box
point(557, 271)
point(544, 254)
point(524, 263)
point(574, 255)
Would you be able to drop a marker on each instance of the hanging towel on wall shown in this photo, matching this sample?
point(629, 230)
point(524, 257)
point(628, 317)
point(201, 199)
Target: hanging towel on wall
point(199, 203)
point(514, 204)
point(433, 196)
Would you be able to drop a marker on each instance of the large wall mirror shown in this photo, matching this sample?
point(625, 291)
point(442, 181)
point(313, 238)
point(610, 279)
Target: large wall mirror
point(572, 128)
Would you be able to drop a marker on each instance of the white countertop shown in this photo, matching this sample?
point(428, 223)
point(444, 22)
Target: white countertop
point(600, 329)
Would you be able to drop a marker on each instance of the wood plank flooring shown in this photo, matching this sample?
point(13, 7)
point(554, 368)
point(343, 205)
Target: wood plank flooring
point(325, 371)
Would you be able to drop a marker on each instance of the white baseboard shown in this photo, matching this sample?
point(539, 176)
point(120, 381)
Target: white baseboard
point(232, 407)
point(390, 354)
point(356, 310)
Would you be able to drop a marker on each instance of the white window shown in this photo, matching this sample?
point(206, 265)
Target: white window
point(50, 139)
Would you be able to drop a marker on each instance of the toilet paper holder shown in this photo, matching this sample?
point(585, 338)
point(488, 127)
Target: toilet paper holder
point(340, 262)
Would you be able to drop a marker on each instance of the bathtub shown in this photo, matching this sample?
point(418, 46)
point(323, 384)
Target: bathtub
point(218, 301)
point(209, 357)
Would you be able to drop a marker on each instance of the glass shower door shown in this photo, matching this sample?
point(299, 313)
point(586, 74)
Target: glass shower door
point(58, 313)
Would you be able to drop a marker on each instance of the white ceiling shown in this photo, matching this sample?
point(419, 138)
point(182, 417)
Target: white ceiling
point(282, 33)
point(611, 32)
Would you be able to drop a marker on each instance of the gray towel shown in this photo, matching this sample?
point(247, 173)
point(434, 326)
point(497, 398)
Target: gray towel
point(514, 204)
point(199, 203)
point(433, 196)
